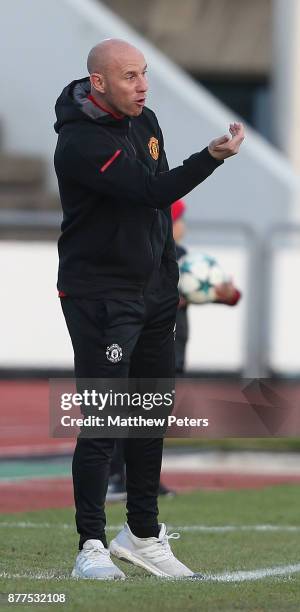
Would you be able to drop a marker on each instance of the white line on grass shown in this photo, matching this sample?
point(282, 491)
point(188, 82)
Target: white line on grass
point(186, 528)
point(237, 576)
point(31, 525)
point(259, 574)
point(39, 575)
point(235, 528)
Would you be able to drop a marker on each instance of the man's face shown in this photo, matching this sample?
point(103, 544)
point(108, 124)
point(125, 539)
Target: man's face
point(124, 83)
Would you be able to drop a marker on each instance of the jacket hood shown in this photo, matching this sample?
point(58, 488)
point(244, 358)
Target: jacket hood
point(74, 105)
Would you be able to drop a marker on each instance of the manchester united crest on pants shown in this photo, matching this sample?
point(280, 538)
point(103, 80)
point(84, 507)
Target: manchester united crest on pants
point(114, 353)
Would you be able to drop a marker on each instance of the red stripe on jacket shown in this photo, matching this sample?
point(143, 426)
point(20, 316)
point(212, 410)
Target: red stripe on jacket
point(110, 161)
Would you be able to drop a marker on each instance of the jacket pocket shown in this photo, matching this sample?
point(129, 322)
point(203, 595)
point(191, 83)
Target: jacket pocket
point(132, 250)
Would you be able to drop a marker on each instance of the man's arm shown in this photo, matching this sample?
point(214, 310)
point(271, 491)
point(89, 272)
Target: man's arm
point(217, 148)
point(107, 170)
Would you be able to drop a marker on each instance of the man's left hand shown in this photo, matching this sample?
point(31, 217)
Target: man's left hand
point(227, 146)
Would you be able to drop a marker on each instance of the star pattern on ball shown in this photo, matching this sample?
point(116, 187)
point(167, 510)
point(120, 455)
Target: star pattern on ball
point(209, 260)
point(205, 286)
point(185, 267)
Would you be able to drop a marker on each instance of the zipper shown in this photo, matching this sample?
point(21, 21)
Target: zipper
point(150, 235)
point(156, 209)
point(151, 249)
point(131, 145)
point(128, 139)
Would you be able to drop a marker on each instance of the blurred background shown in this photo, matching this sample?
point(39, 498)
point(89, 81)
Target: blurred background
point(210, 62)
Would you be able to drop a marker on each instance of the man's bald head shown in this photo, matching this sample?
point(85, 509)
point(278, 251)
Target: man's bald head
point(108, 52)
point(118, 77)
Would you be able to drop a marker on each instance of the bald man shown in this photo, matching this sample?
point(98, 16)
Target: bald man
point(117, 282)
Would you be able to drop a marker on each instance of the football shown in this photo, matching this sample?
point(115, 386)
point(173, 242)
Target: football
point(198, 276)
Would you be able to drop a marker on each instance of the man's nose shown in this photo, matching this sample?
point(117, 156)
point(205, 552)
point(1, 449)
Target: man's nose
point(142, 84)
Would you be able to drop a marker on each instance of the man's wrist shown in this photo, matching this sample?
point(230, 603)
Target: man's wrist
point(214, 156)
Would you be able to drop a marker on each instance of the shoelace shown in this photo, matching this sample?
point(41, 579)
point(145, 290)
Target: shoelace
point(89, 556)
point(161, 550)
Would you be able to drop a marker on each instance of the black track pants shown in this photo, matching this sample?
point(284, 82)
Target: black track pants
point(144, 328)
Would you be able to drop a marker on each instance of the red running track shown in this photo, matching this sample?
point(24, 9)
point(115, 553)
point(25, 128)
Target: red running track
point(24, 431)
point(24, 421)
point(40, 494)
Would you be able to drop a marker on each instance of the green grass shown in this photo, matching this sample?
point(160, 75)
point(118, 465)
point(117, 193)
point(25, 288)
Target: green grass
point(237, 444)
point(53, 549)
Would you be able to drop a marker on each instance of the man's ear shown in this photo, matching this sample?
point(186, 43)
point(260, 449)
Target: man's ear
point(97, 82)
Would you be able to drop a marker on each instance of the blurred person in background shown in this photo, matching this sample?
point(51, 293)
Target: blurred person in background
point(227, 294)
point(117, 282)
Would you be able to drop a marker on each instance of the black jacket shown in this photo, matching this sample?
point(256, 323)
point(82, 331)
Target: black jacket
point(116, 190)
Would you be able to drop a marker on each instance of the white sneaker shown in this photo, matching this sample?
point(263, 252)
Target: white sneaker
point(152, 554)
point(94, 561)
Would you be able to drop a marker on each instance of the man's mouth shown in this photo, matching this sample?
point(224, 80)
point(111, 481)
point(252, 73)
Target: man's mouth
point(141, 101)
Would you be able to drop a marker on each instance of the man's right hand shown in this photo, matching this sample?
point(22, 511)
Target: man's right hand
point(226, 146)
